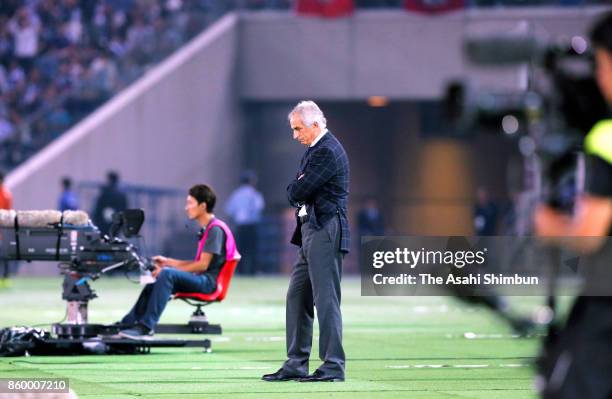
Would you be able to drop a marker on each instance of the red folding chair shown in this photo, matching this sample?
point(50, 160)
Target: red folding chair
point(198, 299)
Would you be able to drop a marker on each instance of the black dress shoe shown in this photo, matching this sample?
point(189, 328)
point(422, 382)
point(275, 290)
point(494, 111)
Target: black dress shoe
point(281, 375)
point(318, 376)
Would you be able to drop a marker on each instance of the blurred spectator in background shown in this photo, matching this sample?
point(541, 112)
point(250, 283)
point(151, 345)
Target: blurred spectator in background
point(6, 199)
point(111, 199)
point(509, 216)
point(244, 208)
point(370, 221)
point(61, 59)
point(25, 29)
point(102, 75)
point(485, 214)
point(6, 127)
point(6, 202)
point(141, 40)
point(68, 201)
point(4, 84)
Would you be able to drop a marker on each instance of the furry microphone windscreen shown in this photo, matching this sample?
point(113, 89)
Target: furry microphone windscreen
point(76, 218)
point(46, 218)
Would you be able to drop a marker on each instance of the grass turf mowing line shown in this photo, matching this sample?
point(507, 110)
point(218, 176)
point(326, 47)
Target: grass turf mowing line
point(378, 332)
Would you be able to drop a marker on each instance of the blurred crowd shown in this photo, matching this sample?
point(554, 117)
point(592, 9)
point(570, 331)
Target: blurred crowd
point(59, 59)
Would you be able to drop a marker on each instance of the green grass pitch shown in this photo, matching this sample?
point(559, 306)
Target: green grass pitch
point(396, 347)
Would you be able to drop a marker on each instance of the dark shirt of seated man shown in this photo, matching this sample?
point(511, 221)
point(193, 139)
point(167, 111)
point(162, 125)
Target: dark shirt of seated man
point(215, 244)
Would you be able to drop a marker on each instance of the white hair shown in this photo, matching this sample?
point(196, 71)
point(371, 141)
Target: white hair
point(310, 113)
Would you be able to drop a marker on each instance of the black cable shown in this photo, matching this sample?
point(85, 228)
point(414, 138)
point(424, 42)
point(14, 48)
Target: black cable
point(57, 322)
point(145, 248)
point(17, 244)
point(60, 231)
point(127, 276)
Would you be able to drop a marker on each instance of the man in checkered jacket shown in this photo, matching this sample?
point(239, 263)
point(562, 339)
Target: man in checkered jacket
point(320, 193)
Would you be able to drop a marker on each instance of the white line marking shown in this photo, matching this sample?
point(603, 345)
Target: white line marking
point(438, 366)
point(264, 339)
point(254, 368)
point(471, 335)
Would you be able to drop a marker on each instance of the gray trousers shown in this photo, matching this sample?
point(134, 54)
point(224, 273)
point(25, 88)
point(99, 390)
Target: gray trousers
point(315, 282)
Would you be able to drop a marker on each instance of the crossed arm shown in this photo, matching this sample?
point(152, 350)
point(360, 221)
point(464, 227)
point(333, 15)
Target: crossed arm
point(321, 167)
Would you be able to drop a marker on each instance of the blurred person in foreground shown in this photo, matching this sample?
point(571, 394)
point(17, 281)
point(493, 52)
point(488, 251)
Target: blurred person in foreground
point(578, 360)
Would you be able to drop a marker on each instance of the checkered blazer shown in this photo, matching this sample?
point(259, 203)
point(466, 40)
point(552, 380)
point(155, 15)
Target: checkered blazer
point(323, 189)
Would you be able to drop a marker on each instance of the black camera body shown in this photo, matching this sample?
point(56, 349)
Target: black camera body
point(549, 117)
point(78, 248)
point(561, 89)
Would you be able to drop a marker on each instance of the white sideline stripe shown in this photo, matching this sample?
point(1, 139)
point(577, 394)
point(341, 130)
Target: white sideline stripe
point(254, 368)
point(129, 94)
point(264, 339)
point(236, 368)
point(430, 309)
point(220, 339)
point(437, 366)
point(469, 335)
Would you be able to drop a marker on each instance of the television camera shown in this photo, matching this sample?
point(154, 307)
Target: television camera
point(557, 105)
point(84, 254)
point(547, 117)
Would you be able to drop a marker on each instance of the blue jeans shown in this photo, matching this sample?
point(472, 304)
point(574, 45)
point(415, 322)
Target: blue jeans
point(154, 297)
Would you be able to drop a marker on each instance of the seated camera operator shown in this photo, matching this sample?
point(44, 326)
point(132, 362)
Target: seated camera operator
point(578, 361)
point(172, 275)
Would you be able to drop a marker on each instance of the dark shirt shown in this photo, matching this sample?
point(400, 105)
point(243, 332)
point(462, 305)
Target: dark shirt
point(215, 244)
point(485, 219)
point(599, 178)
point(111, 200)
point(597, 273)
point(370, 223)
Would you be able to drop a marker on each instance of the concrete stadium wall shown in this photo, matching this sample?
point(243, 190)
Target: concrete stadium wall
point(177, 126)
point(396, 54)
